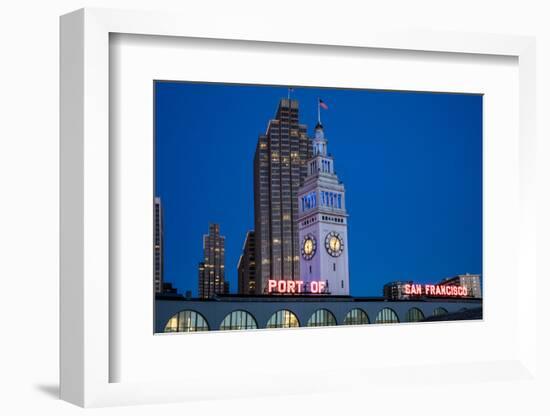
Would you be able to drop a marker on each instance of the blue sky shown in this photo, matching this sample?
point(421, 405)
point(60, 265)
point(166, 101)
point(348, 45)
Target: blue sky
point(411, 164)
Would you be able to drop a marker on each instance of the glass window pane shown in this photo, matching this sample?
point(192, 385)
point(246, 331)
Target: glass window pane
point(283, 319)
point(386, 316)
point(186, 321)
point(414, 315)
point(322, 317)
point(440, 311)
point(356, 317)
point(238, 320)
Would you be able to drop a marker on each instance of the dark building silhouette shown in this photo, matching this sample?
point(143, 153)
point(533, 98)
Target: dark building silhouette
point(279, 169)
point(169, 289)
point(246, 268)
point(212, 269)
point(158, 274)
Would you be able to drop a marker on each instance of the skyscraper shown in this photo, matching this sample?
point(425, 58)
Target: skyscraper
point(211, 270)
point(158, 274)
point(246, 268)
point(323, 222)
point(279, 169)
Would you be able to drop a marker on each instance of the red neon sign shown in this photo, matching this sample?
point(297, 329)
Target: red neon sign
point(435, 290)
point(296, 286)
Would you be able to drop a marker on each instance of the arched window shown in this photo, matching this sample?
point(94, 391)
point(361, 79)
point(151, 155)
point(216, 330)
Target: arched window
point(283, 319)
point(356, 317)
point(238, 320)
point(321, 317)
point(440, 311)
point(386, 316)
point(414, 315)
point(186, 321)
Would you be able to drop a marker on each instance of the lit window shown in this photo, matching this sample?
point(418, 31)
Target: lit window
point(283, 319)
point(186, 321)
point(238, 320)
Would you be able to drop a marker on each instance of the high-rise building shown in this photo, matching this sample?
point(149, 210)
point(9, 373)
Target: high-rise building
point(472, 282)
point(158, 274)
point(323, 222)
point(202, 278)
point(246, 268)
point(279, 169)
point(211, 270)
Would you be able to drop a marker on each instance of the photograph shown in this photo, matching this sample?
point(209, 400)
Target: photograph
point(282, 206)
point(247, 208)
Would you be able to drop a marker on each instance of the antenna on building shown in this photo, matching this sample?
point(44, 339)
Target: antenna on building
point(318, 111)
point(290, 89)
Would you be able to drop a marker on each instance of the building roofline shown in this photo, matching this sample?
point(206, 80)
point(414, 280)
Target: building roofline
point(313, 298)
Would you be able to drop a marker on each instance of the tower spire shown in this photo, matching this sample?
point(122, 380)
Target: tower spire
point(319, 112)
point(322, 220)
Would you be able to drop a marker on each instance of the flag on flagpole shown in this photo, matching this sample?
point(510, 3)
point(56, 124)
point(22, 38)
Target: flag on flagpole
point(323, 105)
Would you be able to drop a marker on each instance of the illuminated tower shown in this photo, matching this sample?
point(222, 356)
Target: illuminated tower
point(158, 249)
point(212, 268)
point(279, 169)
point(322, 222)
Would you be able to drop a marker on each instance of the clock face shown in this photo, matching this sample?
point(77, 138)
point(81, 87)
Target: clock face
point(334, 244)
point(309, 246)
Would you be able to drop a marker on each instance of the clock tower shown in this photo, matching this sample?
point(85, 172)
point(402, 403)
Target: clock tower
point(322, 223)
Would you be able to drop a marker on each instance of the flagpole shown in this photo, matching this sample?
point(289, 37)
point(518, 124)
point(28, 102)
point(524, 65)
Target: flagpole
point(318, 110)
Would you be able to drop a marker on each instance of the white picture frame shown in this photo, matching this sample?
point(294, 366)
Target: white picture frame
point(87, 306)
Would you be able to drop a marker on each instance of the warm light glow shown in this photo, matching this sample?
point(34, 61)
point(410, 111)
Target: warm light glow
point(435, 290)
point(317, 287)
point(308, 247)
point(296, 286)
